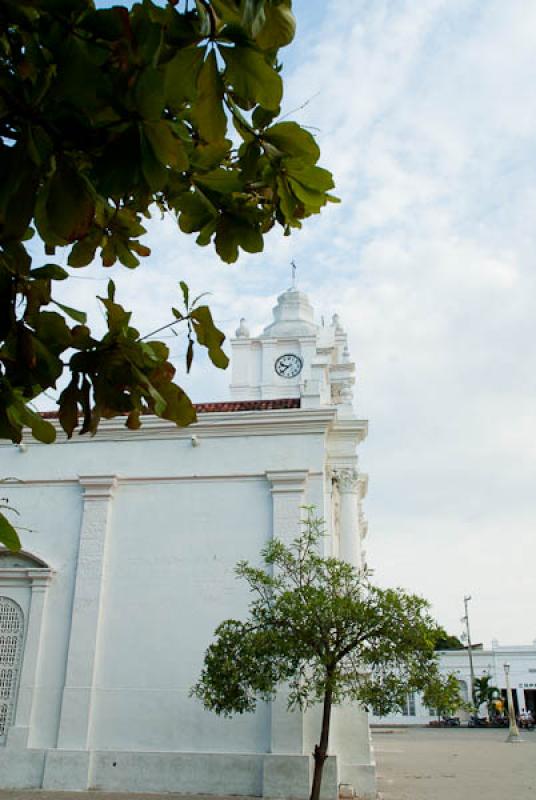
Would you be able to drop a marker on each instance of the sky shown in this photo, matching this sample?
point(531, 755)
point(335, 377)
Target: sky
point(425, 113)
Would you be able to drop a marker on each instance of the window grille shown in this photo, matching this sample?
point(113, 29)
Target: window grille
point(11, 640)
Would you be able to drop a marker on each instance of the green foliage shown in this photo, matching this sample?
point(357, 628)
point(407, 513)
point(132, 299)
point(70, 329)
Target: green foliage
point(105, 114)
point(321, 628)
point(8, 533)
point(484, 692)
point(442, 694)
point(313, 621)
point(446, 641)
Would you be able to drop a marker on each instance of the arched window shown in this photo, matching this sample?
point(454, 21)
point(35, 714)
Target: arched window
point(11, 647)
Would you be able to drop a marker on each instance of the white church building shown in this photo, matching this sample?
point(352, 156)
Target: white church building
point(128, 567)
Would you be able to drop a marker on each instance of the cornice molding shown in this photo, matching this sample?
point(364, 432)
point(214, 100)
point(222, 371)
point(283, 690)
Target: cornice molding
point(36, 576)
point(97, 487)
point(270, 422)
point(290, 480)
point(350, 427)
point(126, 480)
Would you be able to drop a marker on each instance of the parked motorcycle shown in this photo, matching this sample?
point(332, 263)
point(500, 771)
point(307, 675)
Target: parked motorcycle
point(450, 722)
point(478, 722)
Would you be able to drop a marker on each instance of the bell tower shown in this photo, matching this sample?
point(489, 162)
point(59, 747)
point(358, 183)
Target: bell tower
point(294, 357)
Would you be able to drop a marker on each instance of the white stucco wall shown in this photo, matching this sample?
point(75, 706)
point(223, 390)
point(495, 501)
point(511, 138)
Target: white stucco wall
point(179, 517)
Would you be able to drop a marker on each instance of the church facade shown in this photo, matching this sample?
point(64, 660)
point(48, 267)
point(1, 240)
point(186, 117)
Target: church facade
point(128, 568)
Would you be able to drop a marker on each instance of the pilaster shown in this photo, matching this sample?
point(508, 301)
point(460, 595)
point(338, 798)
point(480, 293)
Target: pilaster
point(288, 497)
point(347, 480)
point(78, 693)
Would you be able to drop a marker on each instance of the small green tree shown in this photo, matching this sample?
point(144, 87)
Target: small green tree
point(485, 693)
point(319, 626)
point(443, 695)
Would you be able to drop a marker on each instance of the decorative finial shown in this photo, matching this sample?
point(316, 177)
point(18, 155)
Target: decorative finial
point(242, 332)
point(293, 266)
point(336, 323)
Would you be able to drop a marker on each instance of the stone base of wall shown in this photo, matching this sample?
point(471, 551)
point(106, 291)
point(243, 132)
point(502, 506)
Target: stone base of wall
point(287, 777)
point(21, 769)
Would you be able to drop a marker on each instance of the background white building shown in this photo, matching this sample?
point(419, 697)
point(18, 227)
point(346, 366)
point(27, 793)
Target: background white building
point(522, 661)
point(129, 567)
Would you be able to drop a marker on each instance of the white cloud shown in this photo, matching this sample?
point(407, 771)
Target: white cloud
point(426, 116)
point(427, 120)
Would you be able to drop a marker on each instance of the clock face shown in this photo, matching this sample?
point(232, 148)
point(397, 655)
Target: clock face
point(289, 365)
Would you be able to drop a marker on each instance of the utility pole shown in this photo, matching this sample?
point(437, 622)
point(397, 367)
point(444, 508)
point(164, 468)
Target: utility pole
point(469, 647)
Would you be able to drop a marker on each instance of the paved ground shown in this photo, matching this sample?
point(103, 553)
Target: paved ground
point(413, 764)
point(454, 764)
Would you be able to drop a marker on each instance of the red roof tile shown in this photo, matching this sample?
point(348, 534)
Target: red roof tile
point(227, 405)
point(248, 405)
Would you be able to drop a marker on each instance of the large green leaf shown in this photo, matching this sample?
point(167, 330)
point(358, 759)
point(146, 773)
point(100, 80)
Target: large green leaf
point(208, 108)
point(83, 252)
point(209, 156)
point(150, 94)
point(8, 535)
point(78, 316)
point(167, 148)
point(52, 329)
point(227, 10)
point(316, 178)
point(293, 140)
point(195, 211)
point(209, 336)
point(179, 408)
point(68, 407)
point(70, 204)
point(42, 430)
point(52, 271)
point(181, 75)
point(279, 28)
point(251, 77)
point(312, 201)
point(253, 16)
point(154, 171)
point(124, 254)
point(221, 180)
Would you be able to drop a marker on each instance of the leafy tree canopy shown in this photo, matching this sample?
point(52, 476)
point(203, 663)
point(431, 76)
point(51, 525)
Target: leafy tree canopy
point(106, 115)
point(321, 628)
point(446, 641)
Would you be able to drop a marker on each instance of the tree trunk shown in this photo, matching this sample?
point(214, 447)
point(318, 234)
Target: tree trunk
point(321, 750)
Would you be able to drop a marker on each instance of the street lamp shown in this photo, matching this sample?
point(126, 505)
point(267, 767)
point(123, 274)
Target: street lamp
point(513, 730)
